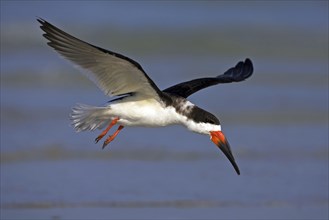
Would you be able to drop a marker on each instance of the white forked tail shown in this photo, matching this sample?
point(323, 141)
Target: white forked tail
point(87, 117)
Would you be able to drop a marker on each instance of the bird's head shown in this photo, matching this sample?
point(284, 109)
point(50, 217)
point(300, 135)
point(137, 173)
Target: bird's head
point(213, 129)
point(206, 123)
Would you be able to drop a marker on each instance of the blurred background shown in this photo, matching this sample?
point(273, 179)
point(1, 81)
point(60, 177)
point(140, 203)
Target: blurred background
point(276, 121)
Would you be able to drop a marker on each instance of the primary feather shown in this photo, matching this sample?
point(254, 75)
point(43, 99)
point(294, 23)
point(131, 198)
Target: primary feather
point(113, 73)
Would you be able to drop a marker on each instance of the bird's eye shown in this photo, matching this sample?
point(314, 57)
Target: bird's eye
point(212, 120)
point(208, 120)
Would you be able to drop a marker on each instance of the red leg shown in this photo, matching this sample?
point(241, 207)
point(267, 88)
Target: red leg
point(113, 122)
point(111, 137)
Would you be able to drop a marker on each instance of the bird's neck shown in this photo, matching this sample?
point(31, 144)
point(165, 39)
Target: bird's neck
point(193, 117)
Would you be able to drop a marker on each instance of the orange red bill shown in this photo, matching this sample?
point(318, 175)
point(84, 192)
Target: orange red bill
point(220, 140)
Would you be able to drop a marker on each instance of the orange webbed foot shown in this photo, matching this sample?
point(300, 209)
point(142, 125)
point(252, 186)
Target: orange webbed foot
point(113, 122)
point(111, 137)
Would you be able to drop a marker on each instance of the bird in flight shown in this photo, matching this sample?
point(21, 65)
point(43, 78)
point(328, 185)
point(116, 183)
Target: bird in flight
point(139, 101)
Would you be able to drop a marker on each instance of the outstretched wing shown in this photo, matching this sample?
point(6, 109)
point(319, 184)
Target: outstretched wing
point(113, 73)
point(240, 72)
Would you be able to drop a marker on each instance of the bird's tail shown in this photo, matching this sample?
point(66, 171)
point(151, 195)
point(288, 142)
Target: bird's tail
point(87, 117)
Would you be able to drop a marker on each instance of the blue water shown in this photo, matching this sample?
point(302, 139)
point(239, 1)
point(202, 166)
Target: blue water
point(276, 121)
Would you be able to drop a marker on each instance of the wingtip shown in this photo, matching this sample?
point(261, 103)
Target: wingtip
point(40, 20)
point(249, 64)
point(248, 61)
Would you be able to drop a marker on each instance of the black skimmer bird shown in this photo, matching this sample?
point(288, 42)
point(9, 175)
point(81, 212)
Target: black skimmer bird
point(139, 101)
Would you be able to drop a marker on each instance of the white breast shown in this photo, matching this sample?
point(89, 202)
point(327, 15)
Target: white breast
point(145, 112)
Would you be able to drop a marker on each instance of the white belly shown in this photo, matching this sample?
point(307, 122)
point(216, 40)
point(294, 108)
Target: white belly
point(132, 111)
point(147, 112)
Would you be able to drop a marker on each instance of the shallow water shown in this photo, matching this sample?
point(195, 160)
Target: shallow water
point(276, 121)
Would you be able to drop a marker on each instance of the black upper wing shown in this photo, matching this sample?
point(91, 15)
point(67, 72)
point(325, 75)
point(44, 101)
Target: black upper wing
point(240, 72)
